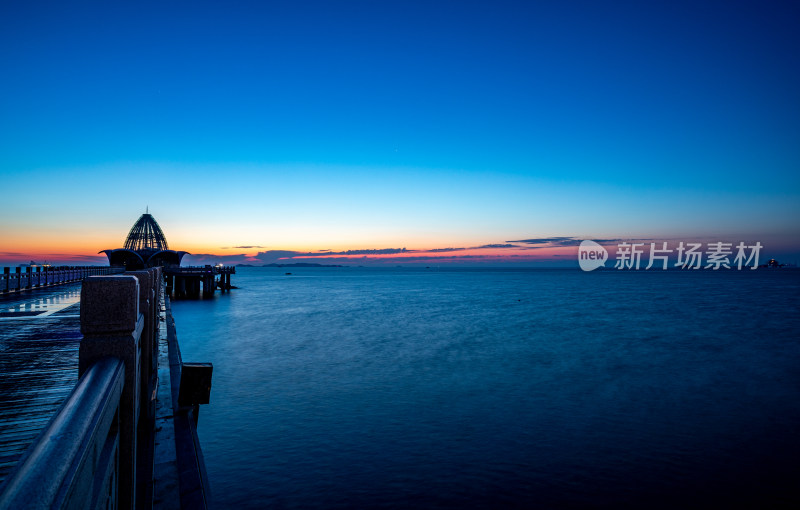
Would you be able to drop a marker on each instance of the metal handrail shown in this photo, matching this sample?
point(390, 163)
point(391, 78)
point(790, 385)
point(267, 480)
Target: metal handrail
point(75, 459)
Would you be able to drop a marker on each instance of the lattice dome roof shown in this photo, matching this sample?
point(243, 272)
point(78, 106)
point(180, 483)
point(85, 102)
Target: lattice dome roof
point(146, 235)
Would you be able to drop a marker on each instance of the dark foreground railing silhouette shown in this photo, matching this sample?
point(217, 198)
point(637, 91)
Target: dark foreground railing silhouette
point(24, 278)
point(104, 435)
point(75, 462)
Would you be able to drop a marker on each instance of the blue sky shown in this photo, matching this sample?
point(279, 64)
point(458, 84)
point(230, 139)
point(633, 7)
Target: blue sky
point(368, 125)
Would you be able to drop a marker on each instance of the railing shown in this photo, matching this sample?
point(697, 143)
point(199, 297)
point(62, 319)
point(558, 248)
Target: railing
point(72, 466)
point(200, 269)
point(87, 455)
point(15, 279)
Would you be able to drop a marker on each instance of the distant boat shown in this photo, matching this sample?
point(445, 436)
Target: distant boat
point(36, 264)
point(772, 263)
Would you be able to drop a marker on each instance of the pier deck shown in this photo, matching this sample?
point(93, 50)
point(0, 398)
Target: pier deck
point(39, 340)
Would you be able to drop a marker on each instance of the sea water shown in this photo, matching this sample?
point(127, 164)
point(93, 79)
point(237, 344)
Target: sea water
point(499, 388)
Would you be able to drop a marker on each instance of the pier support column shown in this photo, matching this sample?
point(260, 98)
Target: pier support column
point(111, 327)
point(6, 279)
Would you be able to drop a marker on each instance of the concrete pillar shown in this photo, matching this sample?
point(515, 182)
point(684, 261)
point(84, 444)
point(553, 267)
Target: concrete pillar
point(158, 280)
point(111, 327)
point(155, 309)
point(146, 296)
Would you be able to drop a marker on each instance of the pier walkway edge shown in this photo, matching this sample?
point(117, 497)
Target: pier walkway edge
point(125, 436)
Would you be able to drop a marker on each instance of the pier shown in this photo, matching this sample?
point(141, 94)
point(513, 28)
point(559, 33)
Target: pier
point(97, 408)
point(186, 281)
point(146, 246)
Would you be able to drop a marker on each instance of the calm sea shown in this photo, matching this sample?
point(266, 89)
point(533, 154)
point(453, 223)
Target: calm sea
point(425, 388)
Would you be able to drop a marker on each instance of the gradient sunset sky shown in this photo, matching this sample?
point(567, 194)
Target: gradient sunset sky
point(471, 132)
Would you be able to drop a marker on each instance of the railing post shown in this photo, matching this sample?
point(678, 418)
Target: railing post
point(7, 278)
point(112, 326)
point(18, 271)
point(146, 298)
point(158, 288)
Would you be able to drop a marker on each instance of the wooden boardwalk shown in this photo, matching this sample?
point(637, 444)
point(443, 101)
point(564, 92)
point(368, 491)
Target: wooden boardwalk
point(39, 340)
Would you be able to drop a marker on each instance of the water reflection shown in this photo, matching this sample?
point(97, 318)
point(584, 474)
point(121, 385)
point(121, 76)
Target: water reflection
point(45, 302)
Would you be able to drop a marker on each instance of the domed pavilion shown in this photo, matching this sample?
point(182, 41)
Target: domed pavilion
point(145, 246)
